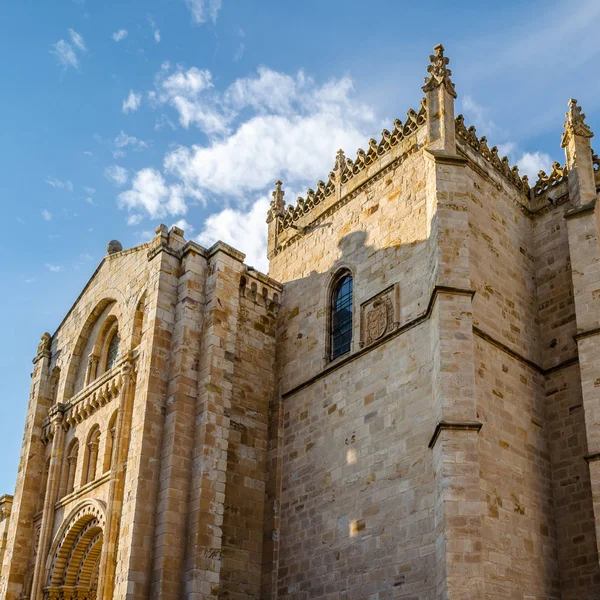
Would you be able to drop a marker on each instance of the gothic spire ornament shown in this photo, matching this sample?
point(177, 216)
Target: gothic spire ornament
point(575, 123)
point(439, 73)
point(278, 203)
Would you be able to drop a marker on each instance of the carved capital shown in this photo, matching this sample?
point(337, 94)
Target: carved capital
point(56, 413)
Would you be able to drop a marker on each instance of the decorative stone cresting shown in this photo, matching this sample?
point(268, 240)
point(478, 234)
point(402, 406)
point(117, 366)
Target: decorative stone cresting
point(345, 169)
point(546, 183)
point(480, 145)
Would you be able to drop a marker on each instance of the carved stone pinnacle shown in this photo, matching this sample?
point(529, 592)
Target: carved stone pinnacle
point(575, 124)
point(277, 204)
point(439, 73)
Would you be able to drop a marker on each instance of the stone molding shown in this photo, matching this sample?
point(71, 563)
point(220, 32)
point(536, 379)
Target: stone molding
point(84, 489)
point(453, 426)
point(586, 334)
point(581, 211)
point(514, 354)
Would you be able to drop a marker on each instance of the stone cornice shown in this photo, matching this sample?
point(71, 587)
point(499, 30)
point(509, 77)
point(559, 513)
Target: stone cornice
point(586, 334)
point(592, 457)
point(581, 211)
point(453, 426)
point(443, 158)
point(517, 356)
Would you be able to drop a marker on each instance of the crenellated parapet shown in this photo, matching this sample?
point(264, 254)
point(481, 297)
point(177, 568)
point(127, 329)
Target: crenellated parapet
point(490, 155)
point(261, 289)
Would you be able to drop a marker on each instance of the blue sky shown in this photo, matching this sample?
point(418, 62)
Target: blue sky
point(120, 115)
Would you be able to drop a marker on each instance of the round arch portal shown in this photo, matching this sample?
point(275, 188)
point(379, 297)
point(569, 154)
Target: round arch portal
point(74, 560)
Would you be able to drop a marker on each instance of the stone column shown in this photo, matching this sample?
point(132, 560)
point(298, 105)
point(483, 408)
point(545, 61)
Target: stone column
point(54, 472)
point(92, 460)
point(110, 542)
point(31, 467)
point(92, 368)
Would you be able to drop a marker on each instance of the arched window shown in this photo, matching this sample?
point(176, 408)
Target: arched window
point(341, 316)
point(70, 467)
point(110, 442)
point(112, 352)
point(91, 456)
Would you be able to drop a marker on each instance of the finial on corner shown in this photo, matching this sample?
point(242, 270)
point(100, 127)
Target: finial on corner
point(278, 203)
point(575, 124)
point(439, 73)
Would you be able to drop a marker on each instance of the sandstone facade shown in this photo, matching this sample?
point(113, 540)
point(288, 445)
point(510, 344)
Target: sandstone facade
point(190, 435)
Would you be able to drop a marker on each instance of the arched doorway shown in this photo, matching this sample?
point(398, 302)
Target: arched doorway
point(74, 561)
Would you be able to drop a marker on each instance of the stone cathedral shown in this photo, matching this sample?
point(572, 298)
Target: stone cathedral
point(407, 406)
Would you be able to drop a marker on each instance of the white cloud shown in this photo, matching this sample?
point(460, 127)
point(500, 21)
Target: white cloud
point(65, 55)
point(120, 35)
point(203, 10)
point(123, 141)
point(477, 115)
point(155, 30)
point(89, 190)
point(270, 126)
point(241, 47)
point(46, 215)
point(53, 268)
point(77, 40)
point(58, 184)
point(87, 153)
point(151, 194)
point(132, 102)
point(183, 224)
point(186, 91)
point(90, 200)
point(117, 175)
point(245, 230)
point(531, 163)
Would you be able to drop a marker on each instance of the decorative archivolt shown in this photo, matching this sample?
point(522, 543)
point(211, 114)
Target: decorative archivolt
point(480, 145)
point(345, 169)
point(76, 545)
point(549, 182)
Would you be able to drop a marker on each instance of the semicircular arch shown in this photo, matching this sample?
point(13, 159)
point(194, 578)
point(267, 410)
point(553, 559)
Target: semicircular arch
point(82, 524)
